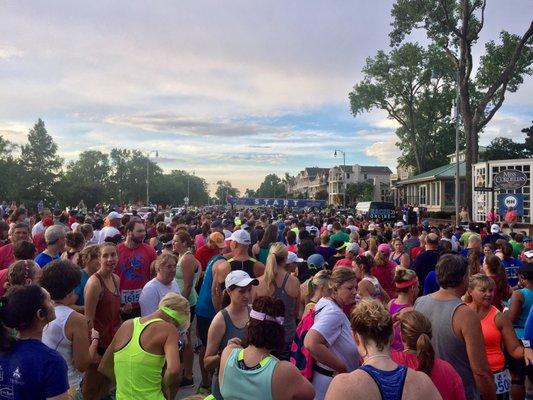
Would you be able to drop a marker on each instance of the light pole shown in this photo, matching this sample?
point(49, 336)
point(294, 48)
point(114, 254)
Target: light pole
point(457, 121)
point(343, 174)
point(148, 174)
point(188, 188)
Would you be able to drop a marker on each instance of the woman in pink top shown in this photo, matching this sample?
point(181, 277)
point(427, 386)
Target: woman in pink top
point(419, 355)
point(384, 269)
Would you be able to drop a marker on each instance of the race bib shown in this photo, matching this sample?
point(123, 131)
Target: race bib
point(130, 296)
point(502, 380)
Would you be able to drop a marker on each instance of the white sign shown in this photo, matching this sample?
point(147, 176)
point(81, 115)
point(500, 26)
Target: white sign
point(510, 201)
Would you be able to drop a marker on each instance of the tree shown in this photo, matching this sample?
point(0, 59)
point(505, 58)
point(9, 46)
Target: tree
point(225, 190)
point(272, 186)
point(289, 182)
point(40, 164)
point(454, 26)
point(250, 193)
point(88, 179)
point(7, 167)
point(321, 195)
point(172, 189)
point(502, 149)
point(528, 145)
point(400, 83)
point(360, 191)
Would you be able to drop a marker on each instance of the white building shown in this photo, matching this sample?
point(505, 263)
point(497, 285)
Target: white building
point(482, 176)
point(340, 176)
point(310, 181)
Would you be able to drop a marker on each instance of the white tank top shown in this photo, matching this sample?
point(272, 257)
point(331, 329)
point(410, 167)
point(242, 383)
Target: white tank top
point(55, 338)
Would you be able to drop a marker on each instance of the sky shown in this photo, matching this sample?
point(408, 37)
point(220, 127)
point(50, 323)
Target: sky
point(229, 90)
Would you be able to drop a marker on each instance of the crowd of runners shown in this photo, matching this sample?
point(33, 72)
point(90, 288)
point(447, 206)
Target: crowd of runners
point(274, 303)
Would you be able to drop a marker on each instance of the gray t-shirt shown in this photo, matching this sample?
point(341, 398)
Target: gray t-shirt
point(153, 292)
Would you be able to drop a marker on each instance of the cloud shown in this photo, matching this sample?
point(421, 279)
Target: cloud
point(7, 52)
point(385, 151)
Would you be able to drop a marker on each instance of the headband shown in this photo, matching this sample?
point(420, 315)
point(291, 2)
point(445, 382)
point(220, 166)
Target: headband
point(410, 282)
point(264, 317)
point(173, 314)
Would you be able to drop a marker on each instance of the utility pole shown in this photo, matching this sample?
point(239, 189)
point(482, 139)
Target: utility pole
point(343, 174)
point(148, 174)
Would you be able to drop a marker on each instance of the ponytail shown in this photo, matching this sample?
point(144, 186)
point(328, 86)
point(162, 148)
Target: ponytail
point(425, 354)
point(226, 300)
point(276, 255)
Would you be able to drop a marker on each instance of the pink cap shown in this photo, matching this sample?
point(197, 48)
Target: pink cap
point(384, 248)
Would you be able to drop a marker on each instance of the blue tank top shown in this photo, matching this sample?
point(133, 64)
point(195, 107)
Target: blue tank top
point(524, 313)
point(389, 383)
point(204, 302)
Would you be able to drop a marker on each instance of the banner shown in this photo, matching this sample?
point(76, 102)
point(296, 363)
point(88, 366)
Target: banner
point(506, 200)
point(256, 202)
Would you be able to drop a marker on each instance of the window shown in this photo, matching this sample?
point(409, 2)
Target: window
point(449, 193)
point(422, 190)
point(347, 176)
point(365, 176)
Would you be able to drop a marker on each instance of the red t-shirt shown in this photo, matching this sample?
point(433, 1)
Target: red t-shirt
point(133, 268)
point(204, 254)
point(38, 241)
point(6, 256)
point(345, 262)
point(416, 251)
point(444, 376)
point(3, 280)
point(385, 276)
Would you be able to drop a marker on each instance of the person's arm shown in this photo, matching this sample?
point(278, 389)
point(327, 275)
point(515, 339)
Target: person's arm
point(64, 396)
point(255, 250)
point(77, 326)
point(171, 377)
point(467, 322)
point(216, 332)
point(517, 299)
point(318, 347)
point(259, 269)
point(365, 288)
point(510, 341)
point(220, 271)
point(187, 267)
point(107, 363)
point(91, 293)
point(289, 383)
point(528, 337)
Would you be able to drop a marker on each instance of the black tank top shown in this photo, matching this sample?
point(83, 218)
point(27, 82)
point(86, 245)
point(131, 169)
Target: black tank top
point(247, 265)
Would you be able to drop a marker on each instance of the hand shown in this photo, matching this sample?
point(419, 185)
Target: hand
point(234, 342)
point(94, 334)
point(528, 356)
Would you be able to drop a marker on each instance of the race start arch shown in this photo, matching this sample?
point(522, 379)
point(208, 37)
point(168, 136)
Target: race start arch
point(272, 202)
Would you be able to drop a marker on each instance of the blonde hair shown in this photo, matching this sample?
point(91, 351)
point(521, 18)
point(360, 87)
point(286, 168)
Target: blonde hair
point(162, 259)
point(371, 320)
point(179, 304)
point(415, 328)
point(380, 259)
point(402, 274)
point(87, 254)
point(478, 280)
point(321, 278)
point(354, 237)
point(373, 246)
point(277, 254)
point(340, 276)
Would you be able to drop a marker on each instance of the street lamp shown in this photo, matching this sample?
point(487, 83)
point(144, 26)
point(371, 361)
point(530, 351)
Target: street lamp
point(188, 188)
point(148, 174)
point(343, 174)
point(457, 122)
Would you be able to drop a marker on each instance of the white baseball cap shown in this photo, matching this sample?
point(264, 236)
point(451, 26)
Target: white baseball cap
point(239, 278)
point(114, 215)
point(241, 236)
point(293, 258)
point(495, 228)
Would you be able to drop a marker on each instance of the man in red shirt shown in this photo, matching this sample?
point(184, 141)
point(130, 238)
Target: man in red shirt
point(133, 267)
point(215, 244)
point(20, 232)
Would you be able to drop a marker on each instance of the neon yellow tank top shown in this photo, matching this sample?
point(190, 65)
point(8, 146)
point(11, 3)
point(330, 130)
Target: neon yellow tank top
point(137, 372)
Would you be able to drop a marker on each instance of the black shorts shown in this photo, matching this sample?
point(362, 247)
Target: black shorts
point(134, 313)
point(202, 328)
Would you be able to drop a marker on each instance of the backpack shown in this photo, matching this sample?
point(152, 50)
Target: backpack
point(300, 356)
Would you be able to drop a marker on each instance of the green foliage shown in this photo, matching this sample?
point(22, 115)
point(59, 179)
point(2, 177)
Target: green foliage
point(272, 186)
point(400, 83)
point(225, 190)
point(250, 193)
point(40, 164)
point(321, 195)
point(503, 149)
point(360, 191)
point(38, 174)
point(528, 145)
